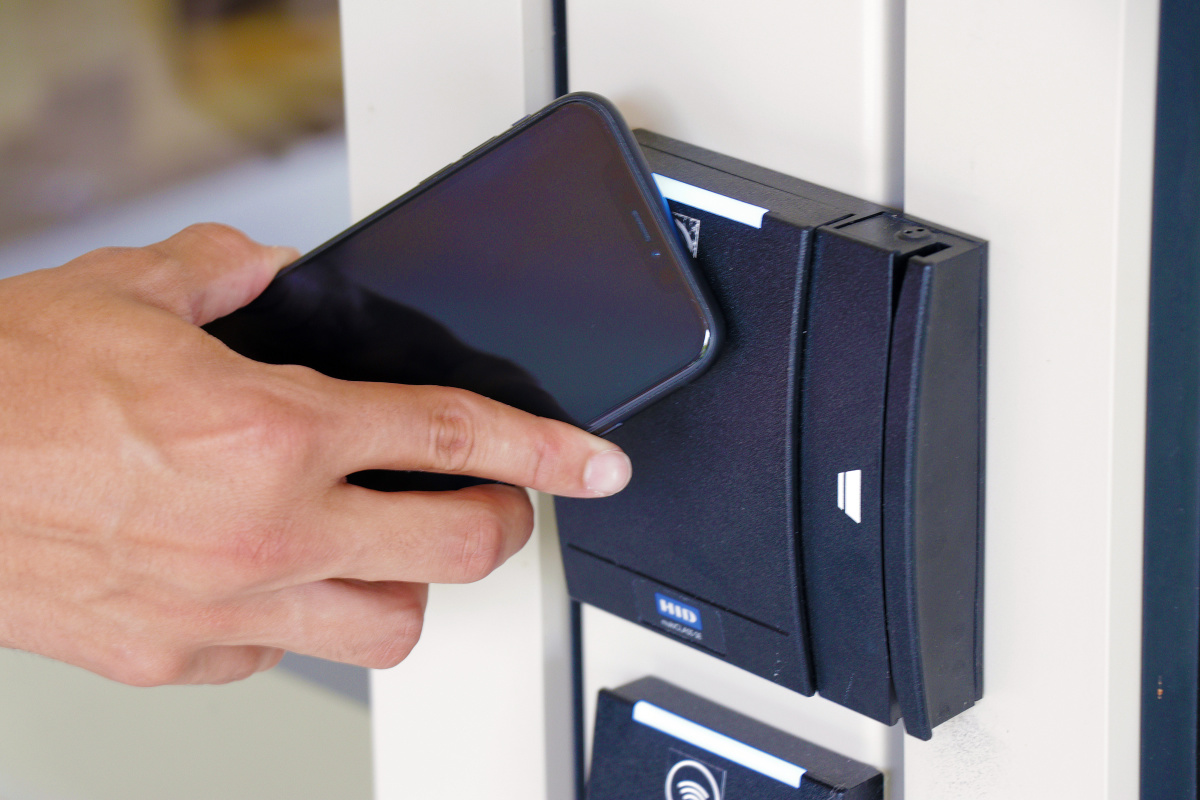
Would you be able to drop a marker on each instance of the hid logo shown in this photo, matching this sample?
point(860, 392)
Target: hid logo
point(680, 612)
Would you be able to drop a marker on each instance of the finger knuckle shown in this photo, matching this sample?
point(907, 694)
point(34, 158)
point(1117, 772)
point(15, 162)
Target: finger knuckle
point(112, 253)
point(241, 664)
point(482, 544)
point(148, 668)
point(224, 236)
point(216, 621)
point(274, 431)
point(545, 455)
point(139, 270)
point(254, 556)
point(403, 633)
point(264, 451)
point(452, 438)
point(274, 436)
point(249, 551)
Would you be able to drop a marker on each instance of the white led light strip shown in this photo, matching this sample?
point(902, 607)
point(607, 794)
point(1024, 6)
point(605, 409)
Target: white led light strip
point(717, 743)
point(714, 203)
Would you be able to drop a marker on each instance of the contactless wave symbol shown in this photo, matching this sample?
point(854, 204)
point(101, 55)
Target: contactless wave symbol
point(691, 780)
point(690, 790)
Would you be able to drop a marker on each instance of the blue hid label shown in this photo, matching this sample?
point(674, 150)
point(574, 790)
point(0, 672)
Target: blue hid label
point(695, 621)
point(680, 612)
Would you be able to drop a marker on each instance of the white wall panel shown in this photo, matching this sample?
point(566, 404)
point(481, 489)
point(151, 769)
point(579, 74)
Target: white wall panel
point(426, 82)
point(813, 88)
point(1030, 124)
point(482, 706)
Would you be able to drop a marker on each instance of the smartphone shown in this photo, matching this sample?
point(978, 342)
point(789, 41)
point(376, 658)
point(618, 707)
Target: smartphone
point(542, 270)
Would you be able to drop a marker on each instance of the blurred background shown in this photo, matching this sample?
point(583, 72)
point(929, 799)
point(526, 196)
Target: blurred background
point(105, 100)
point(122, 121)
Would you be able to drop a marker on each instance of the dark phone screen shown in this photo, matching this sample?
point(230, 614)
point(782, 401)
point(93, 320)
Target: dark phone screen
point(524, 275)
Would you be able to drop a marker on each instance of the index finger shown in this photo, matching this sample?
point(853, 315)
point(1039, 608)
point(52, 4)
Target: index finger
point(438, 429)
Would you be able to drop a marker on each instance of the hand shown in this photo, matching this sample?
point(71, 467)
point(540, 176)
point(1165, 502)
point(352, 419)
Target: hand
point(171, 512)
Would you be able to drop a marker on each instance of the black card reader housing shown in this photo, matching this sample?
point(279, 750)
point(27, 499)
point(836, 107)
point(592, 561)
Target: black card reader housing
point(810, 509)
point(653, 739)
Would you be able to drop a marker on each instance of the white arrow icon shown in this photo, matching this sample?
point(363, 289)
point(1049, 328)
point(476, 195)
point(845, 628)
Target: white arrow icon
point(850, 493)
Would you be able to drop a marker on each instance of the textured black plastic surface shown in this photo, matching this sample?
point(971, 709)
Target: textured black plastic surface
point(933, 496)
point(867, 351)
point(711, 512)
point(845, 388)
point(631, 761)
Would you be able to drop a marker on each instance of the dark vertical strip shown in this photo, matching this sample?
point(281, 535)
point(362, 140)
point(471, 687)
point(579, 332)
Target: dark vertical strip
point(558, 12)
point(577, 698)
point(1171, 612)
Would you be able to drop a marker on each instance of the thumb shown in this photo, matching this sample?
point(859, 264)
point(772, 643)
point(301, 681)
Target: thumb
point(211, 270)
